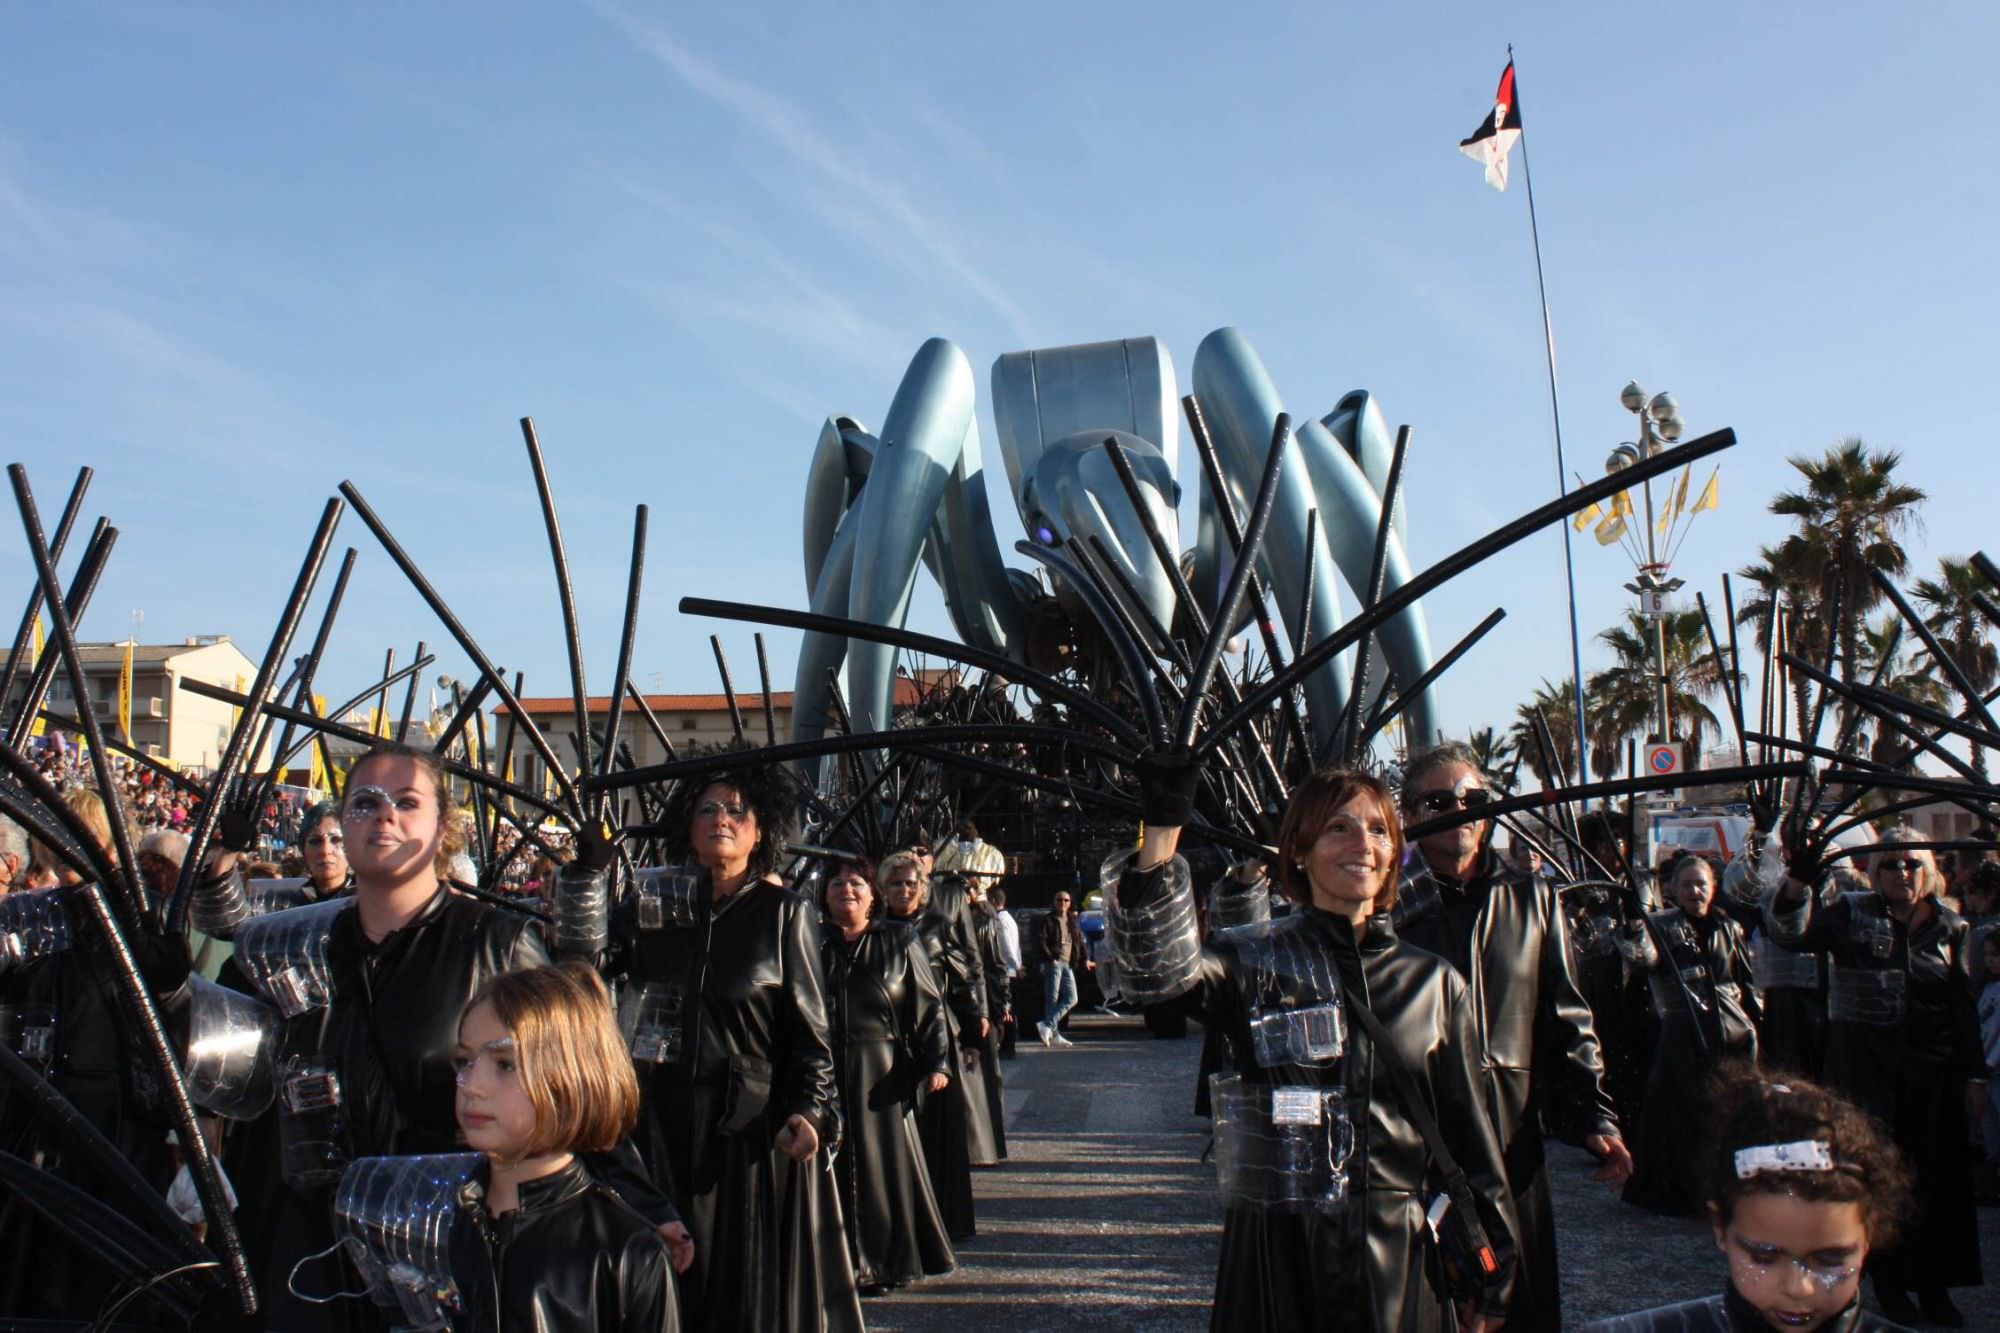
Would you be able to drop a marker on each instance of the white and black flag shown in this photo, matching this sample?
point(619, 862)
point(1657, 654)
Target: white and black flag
point(1497, 134)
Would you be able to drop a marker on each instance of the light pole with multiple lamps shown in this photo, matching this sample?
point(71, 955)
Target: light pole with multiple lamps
point(1659, 426)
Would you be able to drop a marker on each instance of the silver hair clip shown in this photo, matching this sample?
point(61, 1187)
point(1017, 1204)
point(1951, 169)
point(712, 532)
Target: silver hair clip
point(1805, 1155)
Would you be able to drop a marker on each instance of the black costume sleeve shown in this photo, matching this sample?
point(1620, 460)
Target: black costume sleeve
point(807, 1082)
point(924, 1021)
point(1564, 1025)
point(647, 1285)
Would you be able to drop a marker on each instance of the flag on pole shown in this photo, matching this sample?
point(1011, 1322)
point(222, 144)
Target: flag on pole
point(1711, 495)
point(41, 726)
point(1611, 529)
point(1498, 133)
point(125, 695)
point(321, 779)
point(1587, 517)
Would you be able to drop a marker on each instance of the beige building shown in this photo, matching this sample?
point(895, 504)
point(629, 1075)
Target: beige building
point(168, 723)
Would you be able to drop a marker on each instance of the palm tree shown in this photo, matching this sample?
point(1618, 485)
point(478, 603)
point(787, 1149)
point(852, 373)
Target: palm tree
point(1886, 655)
point(1780, 583)
point(1624, 695)
point(1961, 627)
point(1498, 757)
point(1557, 705)
point(1850, 515)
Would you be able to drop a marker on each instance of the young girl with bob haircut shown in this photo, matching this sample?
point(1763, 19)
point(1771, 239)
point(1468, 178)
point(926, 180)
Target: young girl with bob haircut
point(543, 1076)
point(1801, 1186)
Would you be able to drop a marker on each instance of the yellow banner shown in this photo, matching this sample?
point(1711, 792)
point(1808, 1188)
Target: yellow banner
point(125, 695)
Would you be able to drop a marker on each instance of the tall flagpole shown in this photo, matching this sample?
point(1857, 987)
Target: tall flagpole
point(1555, 415)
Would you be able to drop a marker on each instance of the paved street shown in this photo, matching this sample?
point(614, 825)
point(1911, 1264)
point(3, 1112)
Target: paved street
point(1104, 1216)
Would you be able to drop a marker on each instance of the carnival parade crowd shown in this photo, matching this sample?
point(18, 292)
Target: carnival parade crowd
point(749, 1088)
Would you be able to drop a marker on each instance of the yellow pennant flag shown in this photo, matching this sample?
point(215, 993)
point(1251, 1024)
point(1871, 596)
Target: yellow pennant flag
point(1621, 505)
point(125, 695)
point(1587, 517)
point(41, 726)
point(1681, 491)
point(1611, 529)
point(236, 714)
point(1711, 495)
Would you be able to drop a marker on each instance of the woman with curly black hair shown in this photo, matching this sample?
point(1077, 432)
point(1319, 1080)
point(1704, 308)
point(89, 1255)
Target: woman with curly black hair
point(725, 1007)
point(1801, 1185)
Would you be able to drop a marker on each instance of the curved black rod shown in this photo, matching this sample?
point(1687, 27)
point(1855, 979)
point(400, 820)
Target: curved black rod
point(1457, 563)
point(82, 586)
point(195, 1152)
point(1232, 531)
point(1947, 663)
point(1884, 706)
point(410, 695)
point(466, 644)
point(234, 754)
point(64, 722)
point(76, 1215)
point(1811, 787)
point(1735, 659)
point(340, 710)
point(1394, 707)
point(1121, 643)
point(465, 707)
point(1849, 725)
point(1871, 776)
point(1123, 597)
point(302, 697)
point(728, 686)
point(627, 635)
point(341, 731)
point(80, 852)
point(565, 590)
point(71, 508)
point(652, 719)
point(1593, 790)
point(845, 721)
point(1831, 830)
point(1007, 669)
point(1378, 565)
point(764, 684)
point(1919, 845)
point(113, 1168)
point(1239, 581)
point(902, 738)
point(63, 632)
point(1558, 763)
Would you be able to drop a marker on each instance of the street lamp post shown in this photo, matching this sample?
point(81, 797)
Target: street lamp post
point(1659, 426)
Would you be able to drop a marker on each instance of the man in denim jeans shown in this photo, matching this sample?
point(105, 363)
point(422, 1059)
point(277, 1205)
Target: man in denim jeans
point(1063, 951)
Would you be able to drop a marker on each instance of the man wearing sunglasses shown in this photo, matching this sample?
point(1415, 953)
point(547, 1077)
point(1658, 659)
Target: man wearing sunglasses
point(1503, 931)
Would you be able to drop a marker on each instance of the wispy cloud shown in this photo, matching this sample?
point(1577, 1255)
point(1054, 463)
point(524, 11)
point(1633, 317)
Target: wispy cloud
point(893, 226)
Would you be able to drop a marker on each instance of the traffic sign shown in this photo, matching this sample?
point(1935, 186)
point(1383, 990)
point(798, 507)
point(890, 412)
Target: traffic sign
point(1663, 759)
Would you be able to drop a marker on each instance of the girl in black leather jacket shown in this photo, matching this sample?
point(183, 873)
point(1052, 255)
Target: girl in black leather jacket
point(543, 1076)
point(1800, 1187)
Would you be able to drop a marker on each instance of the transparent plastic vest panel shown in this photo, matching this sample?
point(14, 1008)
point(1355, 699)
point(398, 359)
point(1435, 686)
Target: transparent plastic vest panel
point(666, 896)
point(232, 1043)
point(395, 1216)
point(33, 924)
point(1871, 995)
point(1157, 944)
point(1280, 1147)
point(287, 955)
point(1293, 989)
point(1772, 965)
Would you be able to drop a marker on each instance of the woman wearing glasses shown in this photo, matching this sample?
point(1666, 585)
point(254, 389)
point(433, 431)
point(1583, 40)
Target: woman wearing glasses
point(1903, 1042)
point(725, 1005)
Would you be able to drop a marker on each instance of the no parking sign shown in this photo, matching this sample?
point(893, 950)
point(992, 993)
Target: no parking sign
point(1663, 759)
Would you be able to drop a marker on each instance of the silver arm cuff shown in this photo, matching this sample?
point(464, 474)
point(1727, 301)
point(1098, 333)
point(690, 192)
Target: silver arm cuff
point(221, 903)
point(582, 926)
point(1157, 941)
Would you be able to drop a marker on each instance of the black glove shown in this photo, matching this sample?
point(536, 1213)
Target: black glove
point(596, 849)
point(236, 830)
point(162, 958)
point(1167, 782)
point(1802, 857)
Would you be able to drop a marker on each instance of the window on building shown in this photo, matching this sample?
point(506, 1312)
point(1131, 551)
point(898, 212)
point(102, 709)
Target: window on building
point(688, 724)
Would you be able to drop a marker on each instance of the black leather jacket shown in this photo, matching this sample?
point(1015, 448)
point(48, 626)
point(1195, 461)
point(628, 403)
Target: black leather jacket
point(573, 1258)
point(1369, 1264)
point(1514, 953)
point(1713, 959)
point(1730, 1313)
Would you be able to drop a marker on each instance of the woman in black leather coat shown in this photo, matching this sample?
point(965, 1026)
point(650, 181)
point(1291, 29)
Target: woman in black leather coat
point(944, 1122)
point(1902, 1041)
point(1800, 1187)
point(371, 1005)
point(1328, 1258)
point(890, 1047)
point(1707, 949)
point(725, 1002)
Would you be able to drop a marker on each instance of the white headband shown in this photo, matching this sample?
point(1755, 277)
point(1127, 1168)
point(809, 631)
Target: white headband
point(1805, 1155)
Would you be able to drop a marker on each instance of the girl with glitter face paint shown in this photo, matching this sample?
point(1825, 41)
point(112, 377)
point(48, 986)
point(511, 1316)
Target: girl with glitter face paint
point(1801, 1187)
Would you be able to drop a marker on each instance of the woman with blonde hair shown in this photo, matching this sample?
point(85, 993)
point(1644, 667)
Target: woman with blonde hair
point(1903, 1042)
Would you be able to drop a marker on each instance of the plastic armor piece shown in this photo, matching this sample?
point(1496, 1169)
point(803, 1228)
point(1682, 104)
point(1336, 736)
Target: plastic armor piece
point(34, 923)
point(286, 954)
point(582, 925)
point(1772, 965)
point(1297, 1017)
point(396, 1215)
point(1280, 1146)
point(1157, 943)
point(1232, 903)
point(221, 903)
point(231, 1050)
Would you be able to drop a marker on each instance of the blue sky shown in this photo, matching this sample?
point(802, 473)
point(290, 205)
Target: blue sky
point(251, 251)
